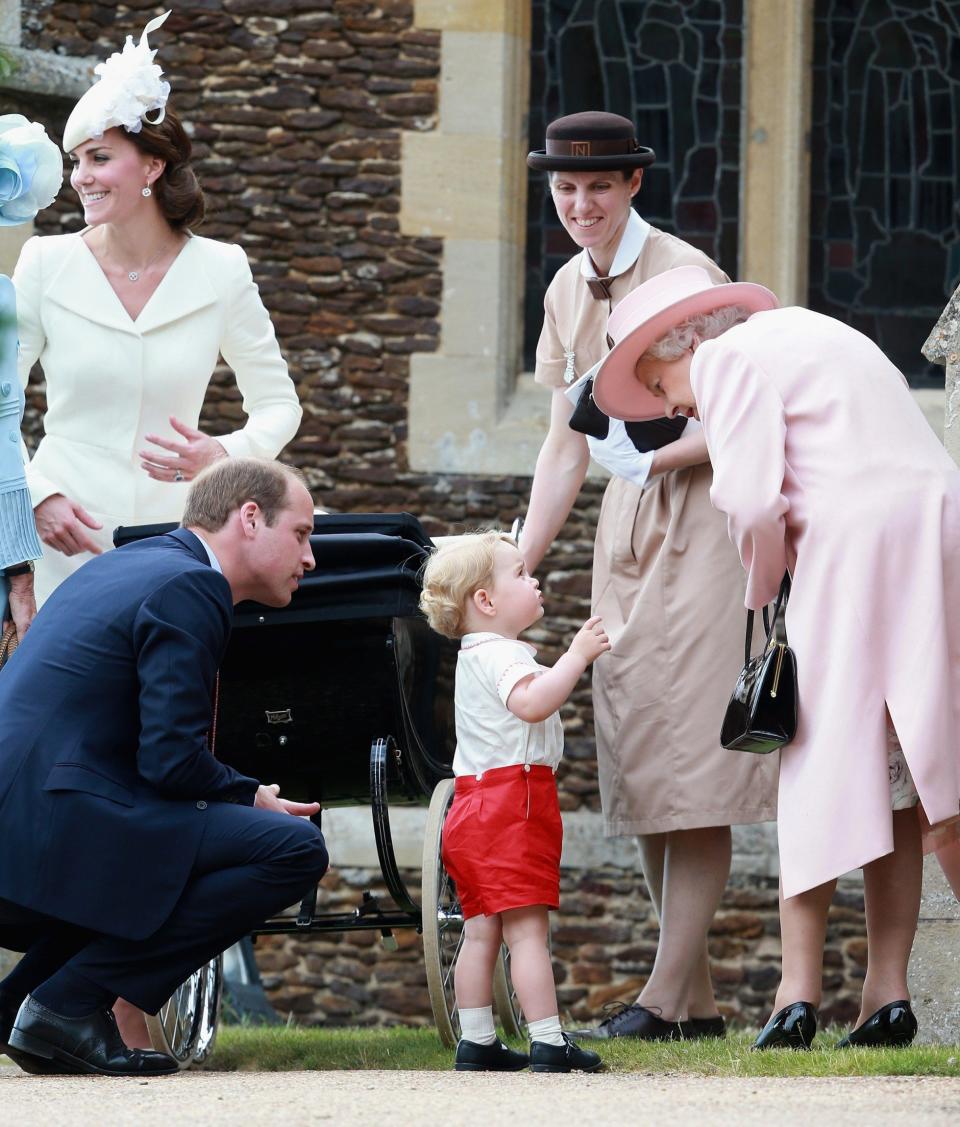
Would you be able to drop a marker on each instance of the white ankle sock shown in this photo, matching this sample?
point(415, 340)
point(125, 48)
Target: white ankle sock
point(476, 1025)
point(547, 1029)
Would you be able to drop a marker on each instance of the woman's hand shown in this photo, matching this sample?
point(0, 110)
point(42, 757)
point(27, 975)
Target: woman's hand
point(186, 459)
point(22, 604)
point(61, 523)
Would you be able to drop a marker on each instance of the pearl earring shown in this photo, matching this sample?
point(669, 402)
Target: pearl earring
point(146, 191)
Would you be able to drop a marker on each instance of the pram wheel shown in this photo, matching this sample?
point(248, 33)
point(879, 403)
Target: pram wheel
point(443, 933)
point(186, 1026)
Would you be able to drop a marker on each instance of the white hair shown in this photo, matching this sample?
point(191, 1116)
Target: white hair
point(704, 326)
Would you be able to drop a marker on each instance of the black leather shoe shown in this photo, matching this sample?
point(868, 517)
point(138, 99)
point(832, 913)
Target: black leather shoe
point(635, 1021)
point(90, 1044)
point(892, 1025)
point(563, 1058)
point(701, 1028)
point(8, 1012)
point(472, 1057)
point(793, 1027)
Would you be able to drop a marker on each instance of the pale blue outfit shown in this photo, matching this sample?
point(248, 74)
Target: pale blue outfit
point(18, 532)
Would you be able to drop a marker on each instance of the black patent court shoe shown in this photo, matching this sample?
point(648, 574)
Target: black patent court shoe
point(793, 1027)
point(892, 1025)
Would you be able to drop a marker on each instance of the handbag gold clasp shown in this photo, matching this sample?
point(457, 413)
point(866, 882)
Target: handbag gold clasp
point(776, 672)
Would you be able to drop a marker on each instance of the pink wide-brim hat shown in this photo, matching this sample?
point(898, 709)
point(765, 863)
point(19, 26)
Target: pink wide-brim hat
point(650, 312)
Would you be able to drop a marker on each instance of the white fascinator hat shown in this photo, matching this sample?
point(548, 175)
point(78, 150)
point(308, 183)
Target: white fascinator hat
point(130, 88)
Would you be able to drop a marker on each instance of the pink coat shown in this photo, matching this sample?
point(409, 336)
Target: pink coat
point(824, 464)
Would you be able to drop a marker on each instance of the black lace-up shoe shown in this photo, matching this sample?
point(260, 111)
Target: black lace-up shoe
point(793, 1027)
point(83, 1045)
point(634, 1021)
point(8, 1012)
point(892, 1025)
point(568, 1057)
point(472, 1057)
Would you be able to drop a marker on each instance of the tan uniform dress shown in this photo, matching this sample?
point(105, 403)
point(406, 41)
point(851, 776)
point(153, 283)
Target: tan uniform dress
point(670, 588)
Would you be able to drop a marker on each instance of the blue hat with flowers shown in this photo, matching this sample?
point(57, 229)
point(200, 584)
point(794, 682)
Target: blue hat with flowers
point(31, 169)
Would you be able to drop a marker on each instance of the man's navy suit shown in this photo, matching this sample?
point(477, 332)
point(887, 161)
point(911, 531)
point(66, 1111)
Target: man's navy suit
point(115, 818)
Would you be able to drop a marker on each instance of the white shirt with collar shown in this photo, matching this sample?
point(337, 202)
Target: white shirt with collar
point(489, 667)
point(211, 555)
point(616, 452)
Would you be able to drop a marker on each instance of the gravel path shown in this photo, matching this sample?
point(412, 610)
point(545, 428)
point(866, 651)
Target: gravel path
point(433, 1099)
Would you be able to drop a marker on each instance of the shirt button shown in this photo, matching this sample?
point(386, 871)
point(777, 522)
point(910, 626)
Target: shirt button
point(479, 777)
point(5, 388)
point(201, 805)
point(526, 766)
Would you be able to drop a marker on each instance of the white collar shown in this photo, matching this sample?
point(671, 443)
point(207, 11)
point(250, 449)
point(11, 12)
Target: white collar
point(214, 562)
point(631, 244)
point(481, 637)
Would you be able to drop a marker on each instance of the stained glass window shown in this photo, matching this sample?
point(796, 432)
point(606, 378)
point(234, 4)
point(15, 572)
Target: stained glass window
point(885, 210)
point(671, 66)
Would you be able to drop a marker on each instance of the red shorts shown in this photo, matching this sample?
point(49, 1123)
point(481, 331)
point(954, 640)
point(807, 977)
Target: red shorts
point(502, 840)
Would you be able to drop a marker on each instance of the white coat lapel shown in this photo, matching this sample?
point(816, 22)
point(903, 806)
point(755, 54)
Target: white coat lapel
point(81, 286)
point(185, 289)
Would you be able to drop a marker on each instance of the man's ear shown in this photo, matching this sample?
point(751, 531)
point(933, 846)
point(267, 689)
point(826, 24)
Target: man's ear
point(482, 601)
point(250, 518)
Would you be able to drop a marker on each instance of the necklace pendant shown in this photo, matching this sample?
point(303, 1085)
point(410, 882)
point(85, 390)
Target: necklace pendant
point(133, 276)
point(568, 373)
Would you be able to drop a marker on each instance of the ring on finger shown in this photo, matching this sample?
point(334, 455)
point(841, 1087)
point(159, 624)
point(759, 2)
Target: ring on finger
point(178, 476)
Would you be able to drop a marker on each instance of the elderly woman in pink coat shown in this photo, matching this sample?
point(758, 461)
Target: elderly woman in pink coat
point(825, 467)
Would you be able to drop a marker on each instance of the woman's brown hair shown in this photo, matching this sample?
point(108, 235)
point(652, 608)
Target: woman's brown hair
point(177, 189)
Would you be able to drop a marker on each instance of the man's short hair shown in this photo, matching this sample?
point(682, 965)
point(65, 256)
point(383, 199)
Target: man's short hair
point(222, 488)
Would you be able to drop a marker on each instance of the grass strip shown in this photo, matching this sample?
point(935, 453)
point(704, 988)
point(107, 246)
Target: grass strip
point(271, 1049)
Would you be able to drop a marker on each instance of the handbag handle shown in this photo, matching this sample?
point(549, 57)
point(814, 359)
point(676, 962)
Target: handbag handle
point(768, 622)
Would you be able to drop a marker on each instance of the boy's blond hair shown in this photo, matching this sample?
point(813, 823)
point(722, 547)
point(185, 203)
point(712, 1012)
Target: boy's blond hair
point(452, 574)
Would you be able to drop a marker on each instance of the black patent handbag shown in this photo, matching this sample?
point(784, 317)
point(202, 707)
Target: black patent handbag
point(762, 714)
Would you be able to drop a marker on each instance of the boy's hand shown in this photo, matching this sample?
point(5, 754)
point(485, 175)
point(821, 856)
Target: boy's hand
point(591, 641)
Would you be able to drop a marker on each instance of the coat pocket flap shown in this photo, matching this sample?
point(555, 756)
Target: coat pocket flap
point(74, 776)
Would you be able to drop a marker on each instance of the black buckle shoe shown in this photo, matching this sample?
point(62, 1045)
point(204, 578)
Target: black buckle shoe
point(567, 1057)
point(83, 1045)
point(893, 1025)
point(793, 1027)
point(472, 1057)
point(702, 1028)
point(634, 1021)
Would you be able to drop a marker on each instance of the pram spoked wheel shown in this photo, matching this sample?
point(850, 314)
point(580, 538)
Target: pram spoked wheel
point(186, 1026)
point(443, 934)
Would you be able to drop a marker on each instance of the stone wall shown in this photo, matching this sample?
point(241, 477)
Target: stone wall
point(604, 941)
point(296, 108)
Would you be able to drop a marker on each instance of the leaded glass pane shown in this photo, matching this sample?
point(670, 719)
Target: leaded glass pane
point(885, 211)
point(671, 66)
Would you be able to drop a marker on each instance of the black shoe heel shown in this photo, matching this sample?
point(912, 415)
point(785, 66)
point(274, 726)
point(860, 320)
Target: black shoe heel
point(892, 1026)
point(793, 1027)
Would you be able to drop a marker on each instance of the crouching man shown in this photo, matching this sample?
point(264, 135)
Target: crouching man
point(129, 856)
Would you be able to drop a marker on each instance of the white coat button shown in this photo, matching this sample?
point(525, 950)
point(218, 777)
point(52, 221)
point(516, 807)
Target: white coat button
point(5, 388)
point(201, 805)
point(14, 436)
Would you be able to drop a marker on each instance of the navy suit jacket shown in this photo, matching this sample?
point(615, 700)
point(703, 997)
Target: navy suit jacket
point(105, 772)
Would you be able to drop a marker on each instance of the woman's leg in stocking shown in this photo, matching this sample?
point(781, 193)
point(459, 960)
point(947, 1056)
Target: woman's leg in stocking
point(891, 887)
point(696, 866)
point(803, 931)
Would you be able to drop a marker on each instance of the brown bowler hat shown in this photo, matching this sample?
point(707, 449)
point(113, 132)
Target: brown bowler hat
point(580, 142)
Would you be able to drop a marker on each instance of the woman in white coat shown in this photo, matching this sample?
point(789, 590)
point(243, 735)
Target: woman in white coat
point(128, 319)
point(825, 466)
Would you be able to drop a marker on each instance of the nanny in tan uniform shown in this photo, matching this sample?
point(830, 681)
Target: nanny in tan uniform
point(665, 580)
